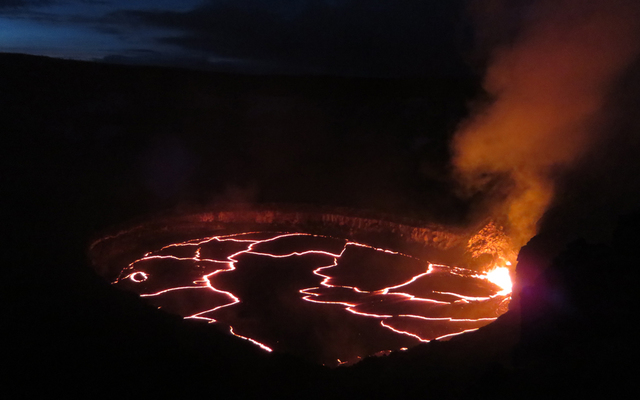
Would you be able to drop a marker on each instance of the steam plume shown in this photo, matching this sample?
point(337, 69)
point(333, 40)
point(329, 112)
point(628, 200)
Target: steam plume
point(547, 90)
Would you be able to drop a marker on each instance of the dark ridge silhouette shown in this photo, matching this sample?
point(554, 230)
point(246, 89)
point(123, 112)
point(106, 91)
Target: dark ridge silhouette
point(152, 137)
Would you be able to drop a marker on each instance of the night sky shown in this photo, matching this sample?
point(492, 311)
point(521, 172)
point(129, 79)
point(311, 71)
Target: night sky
point(347, 38)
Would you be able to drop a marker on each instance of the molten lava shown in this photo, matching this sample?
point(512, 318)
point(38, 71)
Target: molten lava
point(327, 299)
point(500, 276)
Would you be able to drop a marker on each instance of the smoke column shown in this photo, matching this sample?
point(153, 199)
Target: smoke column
point(546, 90)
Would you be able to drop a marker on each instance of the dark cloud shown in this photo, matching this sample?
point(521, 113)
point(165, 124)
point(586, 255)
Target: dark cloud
point(358, 37)
point(38, 11)
point(17, 4)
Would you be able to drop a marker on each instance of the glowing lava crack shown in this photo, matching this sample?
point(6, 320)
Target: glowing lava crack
point(326, 299)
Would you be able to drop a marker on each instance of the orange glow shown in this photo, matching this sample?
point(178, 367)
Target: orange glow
point(500, 276)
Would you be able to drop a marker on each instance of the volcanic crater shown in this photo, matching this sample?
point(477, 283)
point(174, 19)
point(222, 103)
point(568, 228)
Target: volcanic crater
point(332, 286)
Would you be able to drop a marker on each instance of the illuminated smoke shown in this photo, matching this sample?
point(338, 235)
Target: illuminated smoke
point(547, 88)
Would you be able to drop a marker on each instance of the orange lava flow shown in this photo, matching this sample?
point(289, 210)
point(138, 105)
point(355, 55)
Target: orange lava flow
point(203, 279)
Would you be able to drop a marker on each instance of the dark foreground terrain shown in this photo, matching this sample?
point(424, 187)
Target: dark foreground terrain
point(87, 146)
